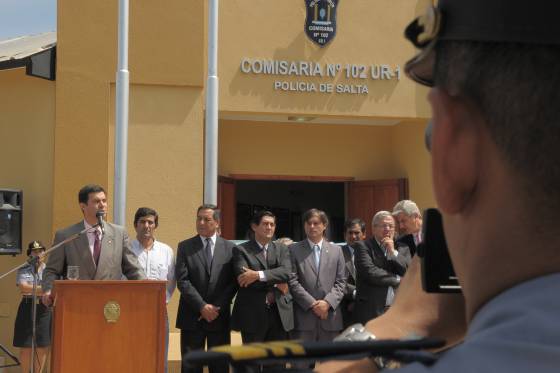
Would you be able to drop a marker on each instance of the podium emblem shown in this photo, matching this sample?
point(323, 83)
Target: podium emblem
point(320, 20)
point(112, 311)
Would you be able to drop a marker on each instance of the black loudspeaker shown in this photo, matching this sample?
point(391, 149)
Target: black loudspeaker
point(11, 218)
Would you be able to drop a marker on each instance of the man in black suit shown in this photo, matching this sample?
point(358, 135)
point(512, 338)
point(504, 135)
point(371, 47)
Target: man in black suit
point(380, 264)
point(409, 223)
point(263, 306)
point(354, 230)
point(204, 273)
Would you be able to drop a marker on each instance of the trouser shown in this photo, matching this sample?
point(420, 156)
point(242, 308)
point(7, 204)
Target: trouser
point(273, 331)
point(196, 340)
point(315, 335)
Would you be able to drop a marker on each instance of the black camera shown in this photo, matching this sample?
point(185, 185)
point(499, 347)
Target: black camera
point(438, 275)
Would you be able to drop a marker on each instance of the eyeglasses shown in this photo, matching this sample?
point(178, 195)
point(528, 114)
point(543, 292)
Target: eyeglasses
point(388, 226)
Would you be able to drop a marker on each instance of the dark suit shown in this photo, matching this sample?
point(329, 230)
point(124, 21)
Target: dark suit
point(408, 240)
point(375, 272)
point(116, 258)
point(256, 320)
point(309, 283)
point(347, 305)
point(199, 286)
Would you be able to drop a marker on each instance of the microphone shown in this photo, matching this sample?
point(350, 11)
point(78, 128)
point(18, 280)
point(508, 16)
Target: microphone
point(99, 214)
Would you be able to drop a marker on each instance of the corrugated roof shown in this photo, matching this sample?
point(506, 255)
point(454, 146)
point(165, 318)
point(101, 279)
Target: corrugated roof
point(25, 46)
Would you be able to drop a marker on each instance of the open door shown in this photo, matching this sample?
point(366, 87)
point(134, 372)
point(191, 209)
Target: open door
point(226, 203)
point(365, 198)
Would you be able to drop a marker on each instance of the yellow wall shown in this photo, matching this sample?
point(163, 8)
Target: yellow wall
point(166, 63)
point(165, 169)
point(70, 123)
point(306, 149)
point(359, 151)
point(166, 49)
point(413, 161)
point(368, 32)
point(27, 133)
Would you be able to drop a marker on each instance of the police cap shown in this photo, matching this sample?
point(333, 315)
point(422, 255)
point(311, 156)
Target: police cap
point(492, 21)
point(34, 245)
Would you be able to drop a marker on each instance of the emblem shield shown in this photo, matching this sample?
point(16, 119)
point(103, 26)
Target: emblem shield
point(320, 20)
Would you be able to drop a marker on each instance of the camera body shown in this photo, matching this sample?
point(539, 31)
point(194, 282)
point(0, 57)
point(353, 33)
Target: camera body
point(438, 275)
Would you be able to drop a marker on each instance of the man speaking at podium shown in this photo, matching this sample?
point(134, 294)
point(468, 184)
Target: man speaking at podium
point(103, 253)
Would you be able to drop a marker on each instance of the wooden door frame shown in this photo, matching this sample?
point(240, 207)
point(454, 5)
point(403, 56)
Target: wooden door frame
point(255, 177)
point(233, 178)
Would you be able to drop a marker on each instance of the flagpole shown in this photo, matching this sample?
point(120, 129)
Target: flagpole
point(121, 116)
point(212, 85)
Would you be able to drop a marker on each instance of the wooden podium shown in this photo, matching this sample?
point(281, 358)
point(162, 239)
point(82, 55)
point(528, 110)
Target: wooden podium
point(108, 326)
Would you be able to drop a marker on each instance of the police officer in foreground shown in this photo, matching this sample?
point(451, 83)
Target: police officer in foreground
point(494, 69)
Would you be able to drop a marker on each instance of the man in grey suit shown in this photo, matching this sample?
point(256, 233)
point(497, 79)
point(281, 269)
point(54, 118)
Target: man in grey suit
point(318, 281)
point(380, 264)
point(99, 254)
point(263, 306)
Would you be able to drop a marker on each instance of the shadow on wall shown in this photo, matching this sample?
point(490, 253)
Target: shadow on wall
point(263, 85)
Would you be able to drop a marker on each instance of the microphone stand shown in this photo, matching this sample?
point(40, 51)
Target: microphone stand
point(34, 262)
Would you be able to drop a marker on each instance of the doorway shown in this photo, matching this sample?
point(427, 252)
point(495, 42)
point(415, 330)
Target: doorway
point(288, 197)
point(288, 200)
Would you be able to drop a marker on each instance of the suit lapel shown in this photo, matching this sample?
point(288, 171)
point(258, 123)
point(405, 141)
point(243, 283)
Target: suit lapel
point(199, 247)
point(84, 253)
point(217, 260)
point(325, 257)
point(377, 252)
point(271, 255)
point(348, 259)
point(259, 253)
point(310, 257)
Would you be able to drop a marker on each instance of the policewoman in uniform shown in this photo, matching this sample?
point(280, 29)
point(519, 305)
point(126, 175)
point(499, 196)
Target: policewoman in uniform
point(23, 328)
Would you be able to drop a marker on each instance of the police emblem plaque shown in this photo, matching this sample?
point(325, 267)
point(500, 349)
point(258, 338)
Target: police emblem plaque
point(320, 20)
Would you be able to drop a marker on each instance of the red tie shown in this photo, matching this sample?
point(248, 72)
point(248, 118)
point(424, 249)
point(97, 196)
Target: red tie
point(96, 247)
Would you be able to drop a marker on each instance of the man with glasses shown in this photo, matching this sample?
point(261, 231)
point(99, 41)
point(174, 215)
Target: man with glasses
point(380, 263)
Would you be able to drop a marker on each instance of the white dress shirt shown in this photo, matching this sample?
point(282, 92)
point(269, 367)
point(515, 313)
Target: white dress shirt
point(158, 263)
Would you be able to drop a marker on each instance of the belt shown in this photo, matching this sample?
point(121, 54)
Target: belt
point(29, 299)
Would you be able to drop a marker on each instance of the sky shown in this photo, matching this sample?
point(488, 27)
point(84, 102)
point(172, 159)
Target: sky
point(26, 17)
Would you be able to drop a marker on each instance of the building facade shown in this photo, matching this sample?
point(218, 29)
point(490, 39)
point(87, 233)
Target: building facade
point(309, 116)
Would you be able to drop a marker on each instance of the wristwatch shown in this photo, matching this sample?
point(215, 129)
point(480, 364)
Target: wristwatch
point(355, 332)
point(358, 333)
